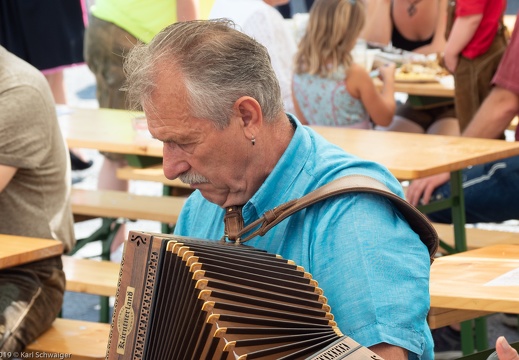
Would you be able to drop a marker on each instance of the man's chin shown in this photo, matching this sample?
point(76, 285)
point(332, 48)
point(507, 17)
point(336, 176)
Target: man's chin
point(212, 197)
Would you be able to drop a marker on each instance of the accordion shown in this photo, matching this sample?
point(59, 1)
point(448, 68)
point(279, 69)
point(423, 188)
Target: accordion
point(184, 298)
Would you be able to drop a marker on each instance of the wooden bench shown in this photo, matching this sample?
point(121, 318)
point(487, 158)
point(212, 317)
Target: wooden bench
point(74, 339)
point(440, 317)
point(112, 206)
point(476, 238)
point(155, 174)
point(96, 277)
point(121, 204)
point(152, 173)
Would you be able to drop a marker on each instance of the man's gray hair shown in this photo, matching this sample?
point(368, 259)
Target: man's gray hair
point(218, 63)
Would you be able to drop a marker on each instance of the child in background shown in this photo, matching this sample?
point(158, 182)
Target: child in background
point(328, 87)
point(474, 48)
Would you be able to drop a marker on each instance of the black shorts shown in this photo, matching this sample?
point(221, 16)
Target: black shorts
point(425, 117)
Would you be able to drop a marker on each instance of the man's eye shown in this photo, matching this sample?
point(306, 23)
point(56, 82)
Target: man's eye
point(187, 147)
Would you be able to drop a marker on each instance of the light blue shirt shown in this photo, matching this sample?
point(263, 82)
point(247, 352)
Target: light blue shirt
point(326, 101)
point(372, 267)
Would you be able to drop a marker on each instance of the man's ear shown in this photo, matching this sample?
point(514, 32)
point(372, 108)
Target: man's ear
point(248, 111)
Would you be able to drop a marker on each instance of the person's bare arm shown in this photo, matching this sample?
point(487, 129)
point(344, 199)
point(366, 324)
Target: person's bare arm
point(379, 105)
point(187, 10)
point(462, 32)
point(490, 121)
point(388, 352)
point(297, 110)
point(494, 115)
point(377, 28)
point(6, 174)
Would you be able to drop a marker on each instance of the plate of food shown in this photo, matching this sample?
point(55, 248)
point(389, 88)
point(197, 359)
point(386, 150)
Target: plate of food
point(420, 71)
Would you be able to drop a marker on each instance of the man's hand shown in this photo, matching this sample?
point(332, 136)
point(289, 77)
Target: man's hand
point(423, 188)
point(504, 350)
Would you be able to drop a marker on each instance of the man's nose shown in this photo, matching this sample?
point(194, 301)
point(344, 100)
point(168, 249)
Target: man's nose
point(173, 162)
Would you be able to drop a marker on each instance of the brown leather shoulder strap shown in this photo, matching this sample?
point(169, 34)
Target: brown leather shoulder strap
point(353, 183)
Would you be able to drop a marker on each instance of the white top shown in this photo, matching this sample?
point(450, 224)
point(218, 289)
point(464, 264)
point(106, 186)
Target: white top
point(265, 24)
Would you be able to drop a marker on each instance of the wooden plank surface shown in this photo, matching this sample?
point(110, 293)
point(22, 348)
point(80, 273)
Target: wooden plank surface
point(477, 238)
point(461, 281)
point(440, 317)
point(407, 156)
point(122, 204)
point(17, 250)
point(91, 276)
point(411, 156)
point(107, 130)
point(84, 340)
point(423, 89)
point(152, 173)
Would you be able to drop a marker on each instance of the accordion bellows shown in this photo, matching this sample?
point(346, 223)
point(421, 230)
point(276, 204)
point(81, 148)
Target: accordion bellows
point(183, 298)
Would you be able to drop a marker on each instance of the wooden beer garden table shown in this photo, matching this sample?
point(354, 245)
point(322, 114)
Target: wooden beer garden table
point(474, 283)
point(18, 250)
point(434, 88)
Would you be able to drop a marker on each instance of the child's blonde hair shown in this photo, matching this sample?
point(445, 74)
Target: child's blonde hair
point(333, 29)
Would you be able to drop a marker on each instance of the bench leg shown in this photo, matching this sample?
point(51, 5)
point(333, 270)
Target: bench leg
point(481, 333)
point(474, 336)
point(106, 234)
point(101, 234)
point(104, 312)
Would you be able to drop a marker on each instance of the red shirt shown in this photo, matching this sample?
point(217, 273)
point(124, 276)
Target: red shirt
point(487, 29)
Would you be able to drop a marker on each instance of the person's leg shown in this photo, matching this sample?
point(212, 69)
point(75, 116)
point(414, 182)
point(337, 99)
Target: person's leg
point(402, 124)
point(491, 193)
point(445, 121)
point(57, 86)
point(446, 126)
point(30, 299)
point(408, 119)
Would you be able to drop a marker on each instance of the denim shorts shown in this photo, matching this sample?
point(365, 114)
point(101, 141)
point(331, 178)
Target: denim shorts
point(31, 296)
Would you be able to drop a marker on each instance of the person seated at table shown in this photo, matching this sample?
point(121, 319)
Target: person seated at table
point(115, 27)
point(260, 20)
point(491, 190)
point(34, 200)
point(417, 26)
point(327, 86)
point(211, 95)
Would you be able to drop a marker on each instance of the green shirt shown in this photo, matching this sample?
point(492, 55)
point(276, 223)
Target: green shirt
point(141, 18)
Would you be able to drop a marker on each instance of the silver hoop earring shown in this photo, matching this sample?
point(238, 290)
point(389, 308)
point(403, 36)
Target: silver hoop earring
point(253, 140)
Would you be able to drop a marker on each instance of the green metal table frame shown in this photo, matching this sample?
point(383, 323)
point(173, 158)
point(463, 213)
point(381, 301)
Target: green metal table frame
point(473, 332)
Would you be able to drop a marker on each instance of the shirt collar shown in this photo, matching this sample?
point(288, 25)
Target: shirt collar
point(280, 180)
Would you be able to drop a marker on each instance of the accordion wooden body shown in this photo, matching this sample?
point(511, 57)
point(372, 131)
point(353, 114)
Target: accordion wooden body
point(183, 298)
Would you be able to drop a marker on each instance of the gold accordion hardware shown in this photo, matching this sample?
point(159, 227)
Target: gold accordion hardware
point(183, 298)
